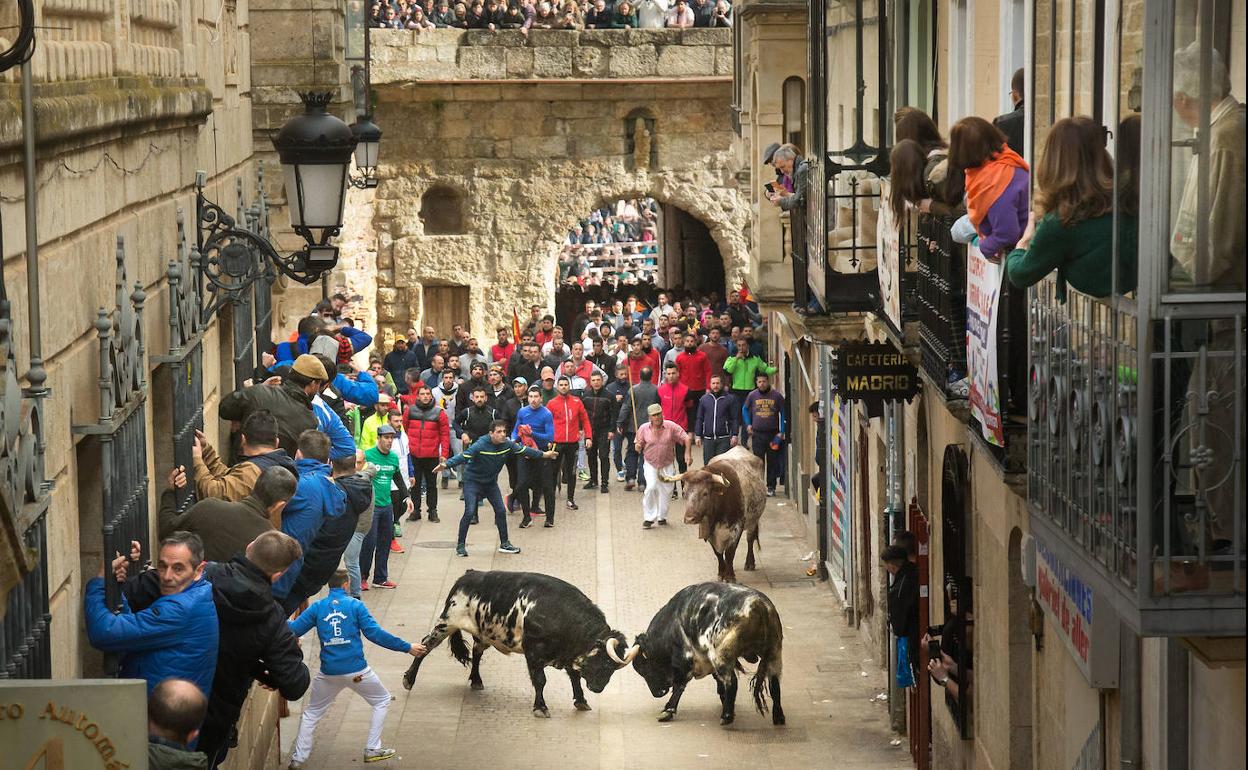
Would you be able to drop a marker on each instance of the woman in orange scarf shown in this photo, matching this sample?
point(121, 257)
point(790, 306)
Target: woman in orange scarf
point(998, 184)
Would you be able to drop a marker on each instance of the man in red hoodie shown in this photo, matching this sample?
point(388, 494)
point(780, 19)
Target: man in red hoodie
point(674, 398)
point(571, 422)
point(429, 442)
point(501, 352)
point(638, 360)
point(695, 374)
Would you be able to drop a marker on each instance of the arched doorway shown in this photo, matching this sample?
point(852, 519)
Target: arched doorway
point(641, 246)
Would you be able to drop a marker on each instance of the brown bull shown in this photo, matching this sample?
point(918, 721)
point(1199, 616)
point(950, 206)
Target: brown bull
point(726, 498)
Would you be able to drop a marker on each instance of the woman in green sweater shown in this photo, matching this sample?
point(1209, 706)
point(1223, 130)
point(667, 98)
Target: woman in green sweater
point(1075, 232)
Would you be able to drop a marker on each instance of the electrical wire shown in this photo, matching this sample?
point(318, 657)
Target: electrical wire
point(23, 46)
point(63, 169)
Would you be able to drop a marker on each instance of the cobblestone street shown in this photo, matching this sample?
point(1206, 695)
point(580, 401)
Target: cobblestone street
point(630, 573)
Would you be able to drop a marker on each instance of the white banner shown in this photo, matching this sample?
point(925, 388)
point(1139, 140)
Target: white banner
point(983, 300)
point(888, 254)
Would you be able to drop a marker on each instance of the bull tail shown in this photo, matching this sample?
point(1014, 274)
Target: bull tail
point(459, 648)
point(769, 664)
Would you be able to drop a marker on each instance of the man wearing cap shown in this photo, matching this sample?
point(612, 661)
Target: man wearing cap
point(571, 422)
point(398, 361)
point(535, 428)
point(289, 402)
point(657, 442)
point(389, 489)
point(379, 417)
point(632, 416)
point(483, 460)
point(547, 385)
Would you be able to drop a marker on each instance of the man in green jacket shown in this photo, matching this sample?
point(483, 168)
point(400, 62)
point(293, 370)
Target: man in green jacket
point(743, 368)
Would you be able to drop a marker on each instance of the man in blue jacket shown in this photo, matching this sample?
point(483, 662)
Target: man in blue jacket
point(718, 420)
point(176, 637)
point(316, 498)
point(340, 620)
point(535, 428)
point(487, 457)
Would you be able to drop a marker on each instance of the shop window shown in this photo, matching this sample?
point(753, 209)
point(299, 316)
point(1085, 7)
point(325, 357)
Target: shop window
point(794, 108)
point(442, 211)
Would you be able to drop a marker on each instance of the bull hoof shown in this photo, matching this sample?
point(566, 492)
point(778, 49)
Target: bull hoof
point(408, 680)
point(541, 713)
point(749, 566)
point(726, 719)
point(777, 718)
point(477, 685)
point(667, 715)
point(581, 705)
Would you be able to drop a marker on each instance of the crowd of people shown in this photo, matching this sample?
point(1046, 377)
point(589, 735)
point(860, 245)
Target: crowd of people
point(525, 15)
point(326, 462)
point(615, 246)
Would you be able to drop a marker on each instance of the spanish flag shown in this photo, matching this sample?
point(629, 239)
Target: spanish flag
point(515, 327)
point(746, 294)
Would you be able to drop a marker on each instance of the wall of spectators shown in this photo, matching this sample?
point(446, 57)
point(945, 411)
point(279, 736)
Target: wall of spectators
point(549, 14)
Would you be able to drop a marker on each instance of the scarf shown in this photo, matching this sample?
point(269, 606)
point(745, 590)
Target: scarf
point(984, 184)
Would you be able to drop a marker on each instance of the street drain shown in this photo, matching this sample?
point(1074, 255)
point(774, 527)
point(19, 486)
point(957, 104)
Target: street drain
point(768, 735)
point(436, 544)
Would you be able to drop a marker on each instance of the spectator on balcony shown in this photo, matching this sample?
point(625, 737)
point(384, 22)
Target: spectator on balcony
point(545, 18)
point(213, 479)
point(290, 401)
point(722, 17)
point(477, 16)
point(1075, 204)
point(416, 19)
point(997, 184)
point(598, 16)
point(174, 637)
point(389, 19)
point(703, 13)
point(1220, 262)
point(444, 16)
point(624, 17)
point(1012, 123)
point(513, 17)
point(945, 191)
point(227, 527)
point(787, 161)
point(680, 16)
point(651, 14)
point(175, 711)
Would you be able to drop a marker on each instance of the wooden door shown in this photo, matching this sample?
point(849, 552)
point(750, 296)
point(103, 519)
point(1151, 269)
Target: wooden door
point(445, 306)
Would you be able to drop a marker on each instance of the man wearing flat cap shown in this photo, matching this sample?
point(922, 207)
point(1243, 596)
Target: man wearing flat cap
point(290, 402)
point(657, 443)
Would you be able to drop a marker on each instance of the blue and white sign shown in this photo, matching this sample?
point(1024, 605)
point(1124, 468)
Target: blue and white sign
point(1085, 621)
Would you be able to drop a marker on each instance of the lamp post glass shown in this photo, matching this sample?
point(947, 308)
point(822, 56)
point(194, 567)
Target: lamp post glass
point(315, 149)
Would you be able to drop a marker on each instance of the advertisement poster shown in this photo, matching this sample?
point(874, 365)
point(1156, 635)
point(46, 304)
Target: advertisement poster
point(1085, 624)
point(839, 503)
point(983, 287)
point(888, 249)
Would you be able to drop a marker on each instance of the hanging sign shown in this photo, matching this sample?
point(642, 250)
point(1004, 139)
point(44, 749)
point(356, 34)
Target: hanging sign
point(888, 252)
point(983, 289)
point(875, 372)
point(1084, 620)
point(74, 723)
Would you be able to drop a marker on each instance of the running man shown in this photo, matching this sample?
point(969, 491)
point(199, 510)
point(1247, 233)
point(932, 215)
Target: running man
point(656, 442)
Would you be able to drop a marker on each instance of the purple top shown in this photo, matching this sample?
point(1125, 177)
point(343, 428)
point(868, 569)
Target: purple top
point(1006, 219)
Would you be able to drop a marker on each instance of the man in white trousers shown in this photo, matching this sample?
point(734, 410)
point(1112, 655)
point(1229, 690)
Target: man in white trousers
point(657, 443)
point(340, 620)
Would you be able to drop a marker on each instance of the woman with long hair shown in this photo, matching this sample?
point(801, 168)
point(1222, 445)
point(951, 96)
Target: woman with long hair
point(997, 184)
point(1075, 204)
point(944, 191)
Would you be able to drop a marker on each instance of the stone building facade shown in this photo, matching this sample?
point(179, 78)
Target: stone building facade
point(521, 137)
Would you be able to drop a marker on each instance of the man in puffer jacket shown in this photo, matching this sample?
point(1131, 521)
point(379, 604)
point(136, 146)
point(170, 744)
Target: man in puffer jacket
point(571, 423)
point(316, 497)
point(174, 638)
point(429, 441)
point(322, 557)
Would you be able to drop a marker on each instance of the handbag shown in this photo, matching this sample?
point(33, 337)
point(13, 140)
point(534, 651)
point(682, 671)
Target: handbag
point(905, 675)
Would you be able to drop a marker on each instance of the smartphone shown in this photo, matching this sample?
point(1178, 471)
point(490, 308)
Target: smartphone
point(933, 649)
point(770, 187)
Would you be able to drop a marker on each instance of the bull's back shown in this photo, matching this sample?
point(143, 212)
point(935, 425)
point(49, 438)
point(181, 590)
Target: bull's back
point(746, 471)
point(501, 606)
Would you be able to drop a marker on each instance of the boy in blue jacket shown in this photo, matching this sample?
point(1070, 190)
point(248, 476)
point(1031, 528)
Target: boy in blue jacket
point(340, 620)
point(486, 458)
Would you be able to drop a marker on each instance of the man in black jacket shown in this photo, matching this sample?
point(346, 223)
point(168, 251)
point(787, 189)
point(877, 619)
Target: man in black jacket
point(601, 407)
point(903, 599)
point(508, 408)
point(602, 359)
point(255, 642)
point(463, 396)
point(331, 540)
point(1011, 123)
point(225, 527)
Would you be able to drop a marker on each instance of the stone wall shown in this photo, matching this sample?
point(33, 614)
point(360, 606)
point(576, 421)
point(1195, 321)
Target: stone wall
point(530, 159)
point(405, 56)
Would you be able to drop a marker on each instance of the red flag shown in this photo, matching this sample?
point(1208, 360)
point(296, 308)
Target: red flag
point(746, 296)
point(515, 327)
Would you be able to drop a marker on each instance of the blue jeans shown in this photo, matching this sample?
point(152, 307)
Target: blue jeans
point(375, 550)
point(351, 557)
point(617, 451)
point(474, 493)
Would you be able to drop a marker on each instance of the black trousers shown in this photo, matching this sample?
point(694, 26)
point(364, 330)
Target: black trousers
point(691, 413)
point(598, 458)
point(537, 481)
point(567, 465)
point(422, 470)
point(713, 447)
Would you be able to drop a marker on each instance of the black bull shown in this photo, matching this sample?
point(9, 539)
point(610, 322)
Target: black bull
point(544, 618)
point(708, 629)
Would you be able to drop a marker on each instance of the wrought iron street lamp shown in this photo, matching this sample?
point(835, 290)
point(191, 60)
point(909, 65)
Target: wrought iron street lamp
point(367, 149)
point(315, 150)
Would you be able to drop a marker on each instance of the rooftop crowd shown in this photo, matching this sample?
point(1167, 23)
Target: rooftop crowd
point(326, 462)
point(549, 14)
point(615, 246)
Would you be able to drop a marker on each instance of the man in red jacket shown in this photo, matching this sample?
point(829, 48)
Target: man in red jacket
point(638, 360)
point(674, 398)
point(501, 353)
point(695, 374)
point(429, 442)
point(571, 422)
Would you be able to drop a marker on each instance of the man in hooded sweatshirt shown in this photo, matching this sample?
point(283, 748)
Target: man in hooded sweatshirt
point(225, 527)
point(316, 497)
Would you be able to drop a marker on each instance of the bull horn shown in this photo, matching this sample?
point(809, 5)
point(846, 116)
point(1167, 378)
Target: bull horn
point(721, 480)
point(672, 479)
point(613, 652)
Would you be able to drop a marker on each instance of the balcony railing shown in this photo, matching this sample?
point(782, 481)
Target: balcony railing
point(941, 303)
point(1158, 511)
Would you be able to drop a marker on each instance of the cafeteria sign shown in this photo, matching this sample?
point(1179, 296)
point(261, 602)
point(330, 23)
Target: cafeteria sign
point(74, 724)
point(874, 372)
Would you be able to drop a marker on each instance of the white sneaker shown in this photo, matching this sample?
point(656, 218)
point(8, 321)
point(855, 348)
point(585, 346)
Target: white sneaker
point(619, 475)
point(378, 755)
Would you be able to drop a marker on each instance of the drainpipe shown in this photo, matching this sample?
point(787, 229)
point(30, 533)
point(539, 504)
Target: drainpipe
point(892, 526)
point(36, 375)
point(1129, 705)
